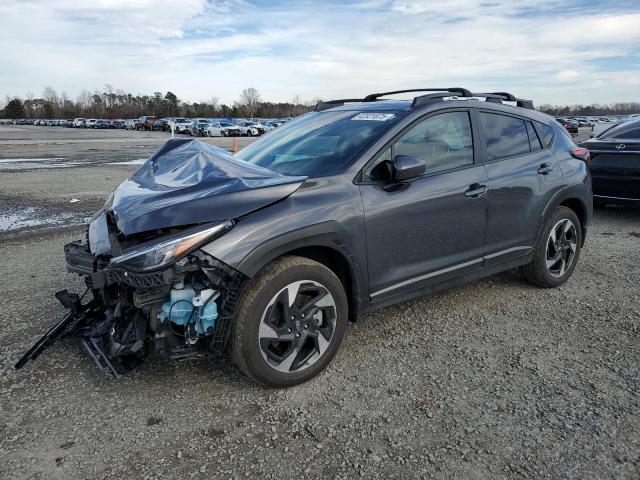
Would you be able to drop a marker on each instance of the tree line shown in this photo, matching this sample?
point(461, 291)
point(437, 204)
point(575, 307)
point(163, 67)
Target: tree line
point(112, 103)
point(594, 110)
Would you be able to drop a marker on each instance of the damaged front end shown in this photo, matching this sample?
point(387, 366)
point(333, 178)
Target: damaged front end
point(153, 288)
point(163, 296)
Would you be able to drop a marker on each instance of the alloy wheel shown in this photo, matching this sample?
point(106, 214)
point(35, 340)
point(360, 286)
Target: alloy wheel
point(297, 326)
point(561, 248)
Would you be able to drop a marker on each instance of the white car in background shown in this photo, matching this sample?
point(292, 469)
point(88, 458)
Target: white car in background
point(79, 122)
point(248, 129)
point(91, 123)
point(222, 129)
point(182, 125)
point(271, 124)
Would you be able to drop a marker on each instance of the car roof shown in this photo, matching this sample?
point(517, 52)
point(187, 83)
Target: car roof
point(406, 105)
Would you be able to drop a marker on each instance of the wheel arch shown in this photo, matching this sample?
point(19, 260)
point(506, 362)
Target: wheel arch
point(579, 209)
point(320, 243)
point(573, 198)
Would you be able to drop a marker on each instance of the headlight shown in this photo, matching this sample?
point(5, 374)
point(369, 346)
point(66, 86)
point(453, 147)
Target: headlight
point(157, 255)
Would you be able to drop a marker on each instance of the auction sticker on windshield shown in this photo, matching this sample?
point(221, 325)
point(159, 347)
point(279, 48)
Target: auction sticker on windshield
point(376, 117)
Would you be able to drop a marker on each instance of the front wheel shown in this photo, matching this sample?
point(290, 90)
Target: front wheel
point(557, 252)
point(289, 322)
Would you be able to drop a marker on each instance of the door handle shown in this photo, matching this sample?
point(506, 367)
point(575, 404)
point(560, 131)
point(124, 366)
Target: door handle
point(545, 169)
point(475, 190)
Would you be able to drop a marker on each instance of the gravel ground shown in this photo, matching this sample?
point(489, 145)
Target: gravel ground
point(493, 380)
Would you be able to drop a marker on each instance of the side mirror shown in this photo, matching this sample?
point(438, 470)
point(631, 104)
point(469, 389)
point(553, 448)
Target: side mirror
point(407, 168)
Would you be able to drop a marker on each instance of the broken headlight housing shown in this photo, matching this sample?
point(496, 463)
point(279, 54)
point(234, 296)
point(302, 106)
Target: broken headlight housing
point(155, 255)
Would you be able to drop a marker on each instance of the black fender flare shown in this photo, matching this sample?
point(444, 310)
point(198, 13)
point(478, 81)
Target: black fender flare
point(329, 234)
point(570, 192)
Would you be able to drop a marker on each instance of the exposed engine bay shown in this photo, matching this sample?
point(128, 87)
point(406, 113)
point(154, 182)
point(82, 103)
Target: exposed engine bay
point(180, 311)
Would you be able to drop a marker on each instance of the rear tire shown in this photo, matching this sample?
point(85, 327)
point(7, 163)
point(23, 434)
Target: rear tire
point(281, 345)
point(557, 251)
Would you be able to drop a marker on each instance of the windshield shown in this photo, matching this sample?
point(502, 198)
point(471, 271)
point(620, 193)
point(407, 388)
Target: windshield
point(318, 143)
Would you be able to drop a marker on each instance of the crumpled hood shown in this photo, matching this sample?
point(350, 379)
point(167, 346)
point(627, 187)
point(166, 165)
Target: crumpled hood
point(187, 182)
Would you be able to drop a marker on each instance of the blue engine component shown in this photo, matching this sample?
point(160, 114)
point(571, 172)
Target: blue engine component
point(186, 306)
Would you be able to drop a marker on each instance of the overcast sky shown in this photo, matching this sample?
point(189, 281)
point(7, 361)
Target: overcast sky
point(553, 51)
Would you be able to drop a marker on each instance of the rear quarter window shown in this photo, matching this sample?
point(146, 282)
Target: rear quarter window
point(505, 136)
point(545, 133)
point(534, 141)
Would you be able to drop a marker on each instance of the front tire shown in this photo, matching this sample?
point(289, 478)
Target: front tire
point(289, 322)
point(557, 251)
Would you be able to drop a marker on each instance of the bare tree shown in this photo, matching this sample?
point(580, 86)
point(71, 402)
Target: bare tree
point(249, 99)
point(295, 101)
point(215, 103)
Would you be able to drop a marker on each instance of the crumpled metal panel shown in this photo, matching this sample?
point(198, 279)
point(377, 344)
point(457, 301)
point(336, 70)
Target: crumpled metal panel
point(189, 182)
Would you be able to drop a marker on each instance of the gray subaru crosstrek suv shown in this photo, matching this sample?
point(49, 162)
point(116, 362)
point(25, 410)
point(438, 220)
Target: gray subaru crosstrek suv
point(268, 254)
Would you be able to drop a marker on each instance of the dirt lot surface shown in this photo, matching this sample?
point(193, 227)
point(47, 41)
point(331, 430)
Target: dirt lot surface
point(493, 380)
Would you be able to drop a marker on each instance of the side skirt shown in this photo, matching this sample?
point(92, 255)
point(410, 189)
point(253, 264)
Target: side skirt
point(431, 289)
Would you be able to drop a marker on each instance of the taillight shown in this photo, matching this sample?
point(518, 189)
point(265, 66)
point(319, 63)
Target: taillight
point(581, 154)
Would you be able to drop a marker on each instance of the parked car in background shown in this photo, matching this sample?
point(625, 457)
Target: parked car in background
point(90, 123)
point(79, 122)
point(182, 125)
point(271, 124)
point(69, 124)
point(130, 124)
point(615, 164)
point(230, 129)
point(247, 128)
point(161, 125)
point(584, 122)
point(103, 124)
point(570, 126)
point(215, 130)
point(262, 129)
point(118, 123)
point(145, 122)
point(199, 127)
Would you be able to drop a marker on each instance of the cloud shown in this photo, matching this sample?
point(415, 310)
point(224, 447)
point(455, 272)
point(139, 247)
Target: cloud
point(552, 52)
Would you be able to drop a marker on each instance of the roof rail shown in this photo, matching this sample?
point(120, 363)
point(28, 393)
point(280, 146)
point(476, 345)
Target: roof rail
point(462, 91)
point(449, 92)
point(373, 97)
point(498, 97)
point(438, 93)
point(324, 105)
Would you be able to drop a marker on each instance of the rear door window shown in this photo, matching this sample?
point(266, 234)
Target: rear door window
point(505, 136)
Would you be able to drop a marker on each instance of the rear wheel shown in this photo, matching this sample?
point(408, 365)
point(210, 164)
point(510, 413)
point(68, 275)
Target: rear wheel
point(557, 252)
point(289, 322)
